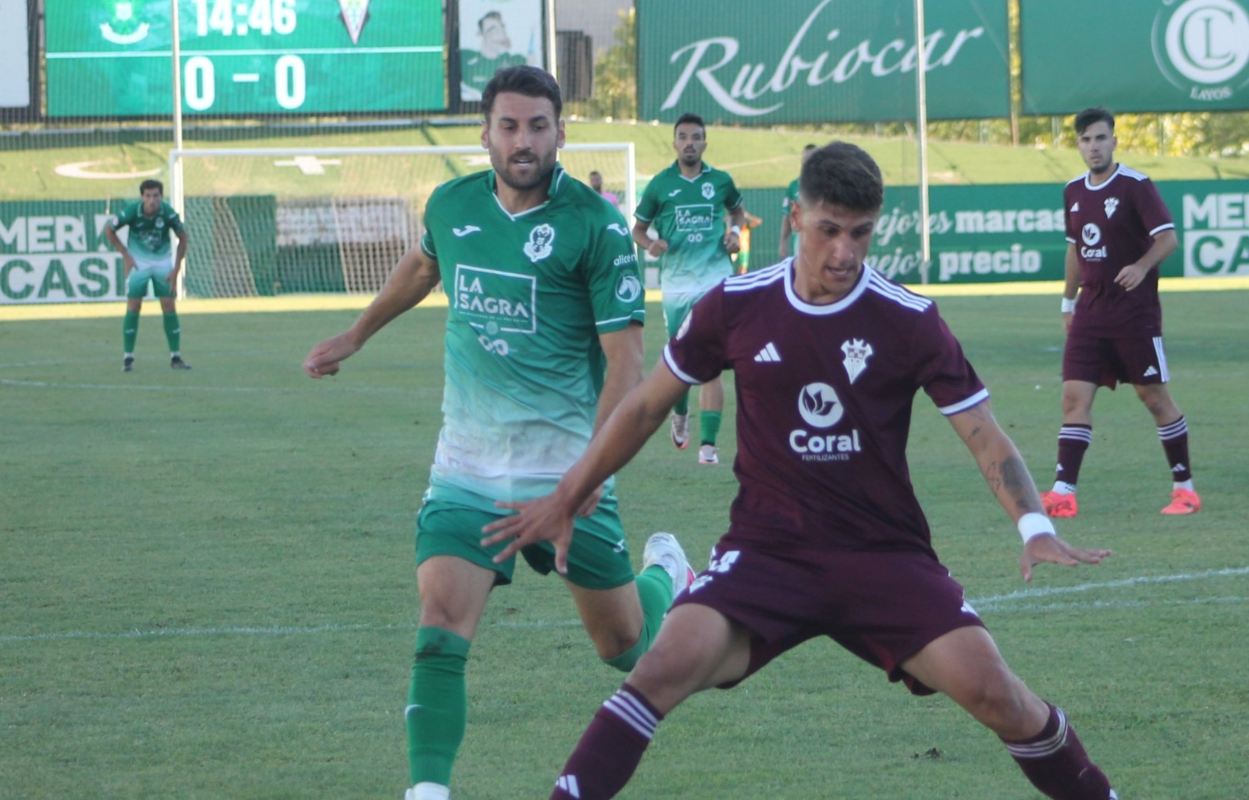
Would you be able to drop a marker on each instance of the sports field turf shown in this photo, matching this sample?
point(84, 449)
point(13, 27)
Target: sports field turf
point(206, 581)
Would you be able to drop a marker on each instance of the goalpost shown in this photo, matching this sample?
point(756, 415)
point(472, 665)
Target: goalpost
point(277, 220)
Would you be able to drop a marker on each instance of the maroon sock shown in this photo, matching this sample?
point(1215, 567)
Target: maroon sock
point(610, 749)
point(1174, 438)
point(1073, 440)
point(1055, 762)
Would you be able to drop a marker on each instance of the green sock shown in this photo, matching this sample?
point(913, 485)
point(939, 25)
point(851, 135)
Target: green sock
point(173, 331)
point(129, 331)
point(683, 405)
point(437, 704)
point(709, 424)
point(655, 592)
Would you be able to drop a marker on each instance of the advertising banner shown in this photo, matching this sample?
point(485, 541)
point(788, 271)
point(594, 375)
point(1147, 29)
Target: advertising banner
point(1134, 55)
point(1014, 232)
point(57, 253)
point(828, 61)
point(495, 34)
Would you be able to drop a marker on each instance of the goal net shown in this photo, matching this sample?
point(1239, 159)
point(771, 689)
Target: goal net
point(270, 221)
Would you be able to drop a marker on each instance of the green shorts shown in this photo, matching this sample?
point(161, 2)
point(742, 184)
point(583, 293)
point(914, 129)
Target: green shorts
point(141, 275)
point(598, 558)
point(676, 309)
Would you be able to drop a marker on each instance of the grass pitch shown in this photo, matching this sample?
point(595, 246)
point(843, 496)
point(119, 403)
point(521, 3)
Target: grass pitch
point(206, 581)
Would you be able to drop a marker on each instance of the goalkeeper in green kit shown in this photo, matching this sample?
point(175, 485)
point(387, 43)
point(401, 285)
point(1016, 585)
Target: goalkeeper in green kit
point(149, 261)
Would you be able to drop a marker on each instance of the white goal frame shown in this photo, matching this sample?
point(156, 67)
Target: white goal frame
point(177, 155)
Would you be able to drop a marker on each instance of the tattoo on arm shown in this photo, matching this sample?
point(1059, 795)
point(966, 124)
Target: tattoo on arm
point(1011, 477)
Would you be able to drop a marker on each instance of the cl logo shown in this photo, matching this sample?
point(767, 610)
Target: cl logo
point(1091, 234)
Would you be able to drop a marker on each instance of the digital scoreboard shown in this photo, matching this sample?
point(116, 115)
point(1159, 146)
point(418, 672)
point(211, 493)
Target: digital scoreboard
point(113, 58)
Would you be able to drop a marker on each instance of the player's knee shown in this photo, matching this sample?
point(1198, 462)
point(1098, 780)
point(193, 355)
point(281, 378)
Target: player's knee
point(999, 701)
point(612, 644)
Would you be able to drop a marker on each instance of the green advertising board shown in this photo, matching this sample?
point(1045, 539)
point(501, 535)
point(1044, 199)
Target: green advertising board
point(1015, 232)
point(112, 58)
point(55, 252)
point(827, 61)
point(1134, 55)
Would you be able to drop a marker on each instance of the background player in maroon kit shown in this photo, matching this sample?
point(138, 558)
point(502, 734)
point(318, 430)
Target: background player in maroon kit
point(1118, 232)
point(826, 536)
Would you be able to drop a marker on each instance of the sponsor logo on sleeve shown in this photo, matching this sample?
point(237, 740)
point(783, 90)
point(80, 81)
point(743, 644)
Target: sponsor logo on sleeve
point(629, 288)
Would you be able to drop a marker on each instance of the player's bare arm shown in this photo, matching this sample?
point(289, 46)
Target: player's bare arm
point(119, 246)
point(630, 425)
point(1008, 478)
point(625, 355)
point(1164, 245)
point(641, 237)
point(1071, 284)
point(184, 241)
point(786, 230)
point(408, 284)
point(732, 235)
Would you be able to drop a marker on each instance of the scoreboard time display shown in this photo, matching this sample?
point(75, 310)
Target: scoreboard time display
point(113, 58)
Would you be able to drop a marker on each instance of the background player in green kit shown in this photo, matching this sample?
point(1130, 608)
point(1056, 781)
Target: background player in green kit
point(686, 204)
point(545, 298)
point(789, 236)
point(148, 260)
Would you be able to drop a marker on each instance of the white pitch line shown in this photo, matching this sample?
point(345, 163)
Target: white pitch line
point(1142, 580)
point(138, 387)
point(984, 603)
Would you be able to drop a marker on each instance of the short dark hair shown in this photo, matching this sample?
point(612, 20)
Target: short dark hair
point(842, 174)
point(688, 118)
point(481, 23)
point(810, 147)
point(1091, 116)
point(522, 79)
point(151, 183)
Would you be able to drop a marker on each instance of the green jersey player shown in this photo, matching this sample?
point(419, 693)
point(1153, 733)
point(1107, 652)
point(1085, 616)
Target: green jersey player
point(685, 205)
point(543, 338)
point(789, 233)
point(148, 260)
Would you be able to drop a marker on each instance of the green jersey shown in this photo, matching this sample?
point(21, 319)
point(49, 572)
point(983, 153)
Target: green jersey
point(529, 294)
point(149, 236)
point(689, 215)
point(790, 200)
point(476, 70)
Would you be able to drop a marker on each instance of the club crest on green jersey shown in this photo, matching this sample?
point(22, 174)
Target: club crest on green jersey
point(709, 191)
point(541, 242)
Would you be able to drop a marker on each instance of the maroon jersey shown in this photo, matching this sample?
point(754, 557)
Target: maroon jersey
point(1111, 226)
point(824, 396)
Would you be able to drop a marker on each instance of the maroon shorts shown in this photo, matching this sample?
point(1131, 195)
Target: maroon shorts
point(882, 606)
point(1108, 361)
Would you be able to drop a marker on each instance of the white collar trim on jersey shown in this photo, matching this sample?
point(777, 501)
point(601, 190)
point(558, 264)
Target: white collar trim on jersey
point(557, 177)
point(831, 308)
point(1103, 184)
point(676, 166)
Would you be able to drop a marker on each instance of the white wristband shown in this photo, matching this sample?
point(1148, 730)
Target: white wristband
point(1069, 305)
point(737, 229)
point(1034, 524)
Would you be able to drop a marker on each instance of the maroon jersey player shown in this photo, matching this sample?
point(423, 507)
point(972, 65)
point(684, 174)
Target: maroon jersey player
point(826, 537)
point(1118, 232)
